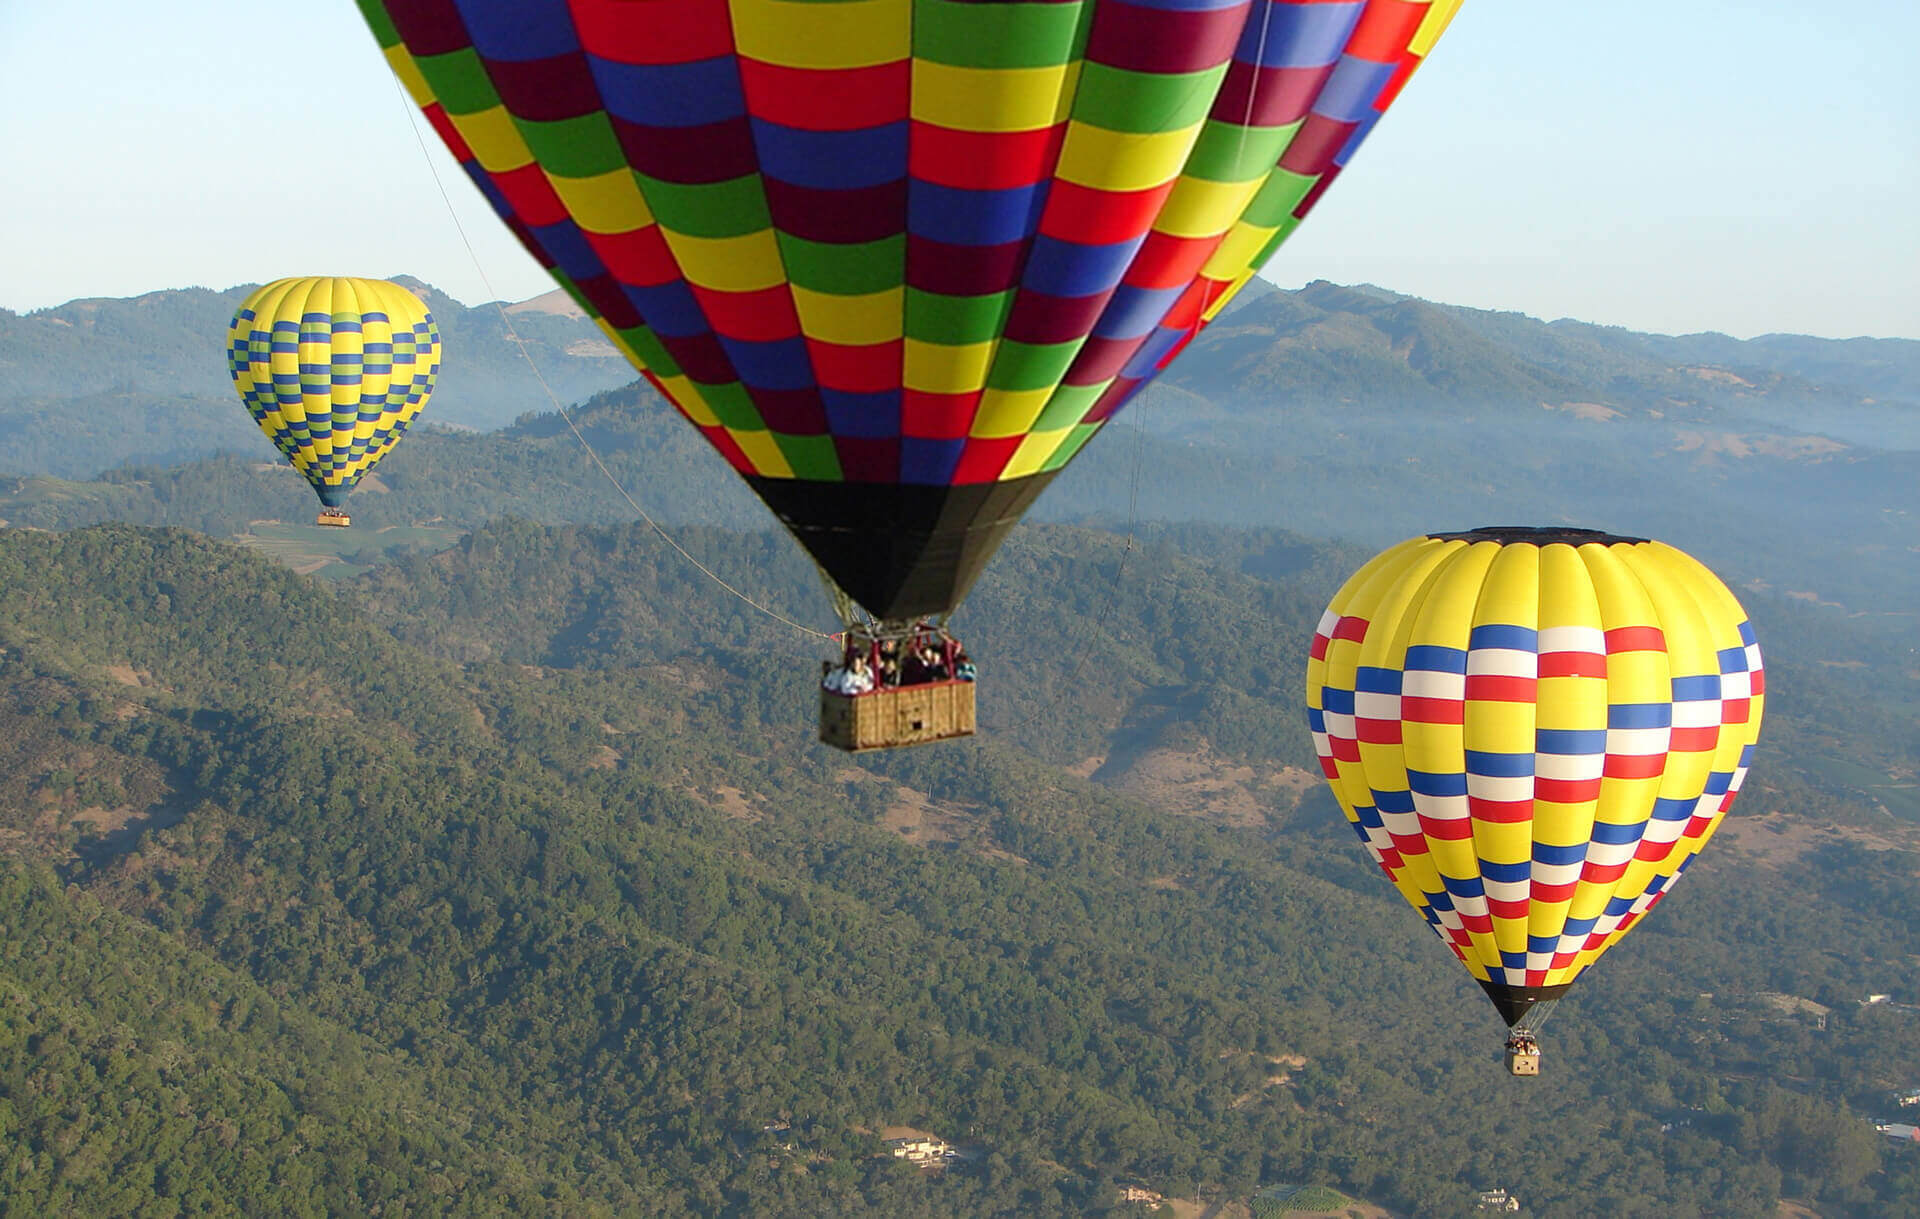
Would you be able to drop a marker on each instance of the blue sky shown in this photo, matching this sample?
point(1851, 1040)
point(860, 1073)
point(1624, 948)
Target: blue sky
point(1670, 166)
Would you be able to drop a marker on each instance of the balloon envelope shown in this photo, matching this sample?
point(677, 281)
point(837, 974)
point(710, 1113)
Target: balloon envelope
point(1533, 732)
point(333, 370)
point(899, 259)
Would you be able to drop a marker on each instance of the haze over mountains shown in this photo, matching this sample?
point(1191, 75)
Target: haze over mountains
point(1351, 412)
point(496, 872)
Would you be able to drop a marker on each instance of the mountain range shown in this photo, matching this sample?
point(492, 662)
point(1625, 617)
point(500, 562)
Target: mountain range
point(478, 859)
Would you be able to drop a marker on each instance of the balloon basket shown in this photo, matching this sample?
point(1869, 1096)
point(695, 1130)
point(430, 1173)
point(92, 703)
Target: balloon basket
point(899, 716)
point(1523, 1055)
point(333, 517)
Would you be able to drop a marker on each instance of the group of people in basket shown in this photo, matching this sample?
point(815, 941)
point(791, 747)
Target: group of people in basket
point(883, 664)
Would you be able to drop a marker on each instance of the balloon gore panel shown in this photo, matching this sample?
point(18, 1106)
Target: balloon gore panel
point(334, 370)
point(1534, 732)
point(903, 243)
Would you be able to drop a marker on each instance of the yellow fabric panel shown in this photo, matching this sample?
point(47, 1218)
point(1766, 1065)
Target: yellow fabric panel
point(495, 141)
point(1545, 918)
point(1034, 451)
point(1391, 594)
point(1200, 208)
point(1445, 619)
point(1682, 618)
point(1509, 593)
point(1008, 412)
point(283, 363)
point(409, 76)
point(1336, 669)
point(1123, 160)
point(1226, 295)
point(1235, 255)
point(875, 317)
point(604, 203)
point(1724, 615)
point(1434, 24)
point(946, 368)
point(682, 392)
point(761, 449)
point(855, 34)
point(747, 263)
point(992, 99)
point(620, 344)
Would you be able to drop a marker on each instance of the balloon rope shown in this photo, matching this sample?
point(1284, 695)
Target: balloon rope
point(407, 104)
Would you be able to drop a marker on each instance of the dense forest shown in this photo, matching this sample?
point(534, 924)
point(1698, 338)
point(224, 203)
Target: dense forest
point(508, 880)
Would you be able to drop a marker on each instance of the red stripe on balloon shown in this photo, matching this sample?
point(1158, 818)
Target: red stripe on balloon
point(639, 256)
point(1433, 710)
point(661, 32)
point(1501, 688)
point(1451, 829)
point(1385, 29)
point(759, 316)
point(1566, 791)
point(1635, 765)
point(530, 196)
point(829, 99)
point(1086, 215)
point(985, 457)
point(1635, 639)
point(982, 160)
point(860, 369)
point(448, 133)
point(1166, 261)
point(1572, 664)
point(930, 416)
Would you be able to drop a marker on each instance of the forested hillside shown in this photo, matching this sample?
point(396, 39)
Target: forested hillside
point(509, 880)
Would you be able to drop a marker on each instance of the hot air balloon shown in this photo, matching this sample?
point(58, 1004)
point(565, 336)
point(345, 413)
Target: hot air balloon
point(898, 260)
point(1534, 732)
point(333, 371)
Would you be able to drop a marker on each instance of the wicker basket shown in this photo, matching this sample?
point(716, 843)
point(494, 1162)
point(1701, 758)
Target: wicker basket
point(900, 715)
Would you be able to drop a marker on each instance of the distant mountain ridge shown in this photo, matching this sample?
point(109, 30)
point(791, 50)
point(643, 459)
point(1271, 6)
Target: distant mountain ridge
point(1366, 345)
point(153, 368)
point(1342, 412)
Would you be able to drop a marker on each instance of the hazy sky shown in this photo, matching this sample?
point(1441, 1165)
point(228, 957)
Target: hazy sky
point(1667, 165)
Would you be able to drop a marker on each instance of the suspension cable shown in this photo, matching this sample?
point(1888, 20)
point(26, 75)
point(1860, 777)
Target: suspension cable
point(507, 321)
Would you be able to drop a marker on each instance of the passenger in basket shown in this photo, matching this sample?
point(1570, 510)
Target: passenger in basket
point(913, 670)
point(963, 669)
point(854, 677)
point(932, 664)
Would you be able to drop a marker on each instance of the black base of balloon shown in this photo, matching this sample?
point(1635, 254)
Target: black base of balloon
point(901, 551)
point(1514, 1002)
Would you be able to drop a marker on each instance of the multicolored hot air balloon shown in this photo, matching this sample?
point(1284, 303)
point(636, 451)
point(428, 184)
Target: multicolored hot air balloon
point(1533, 731)
point(333, 371)
point(898, 260)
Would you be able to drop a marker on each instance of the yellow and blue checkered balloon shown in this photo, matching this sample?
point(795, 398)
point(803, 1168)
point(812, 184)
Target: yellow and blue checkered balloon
point(333, 371)
point(1534, 731)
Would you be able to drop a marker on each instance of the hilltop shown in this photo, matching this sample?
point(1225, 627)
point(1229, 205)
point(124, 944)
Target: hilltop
point(563, 871)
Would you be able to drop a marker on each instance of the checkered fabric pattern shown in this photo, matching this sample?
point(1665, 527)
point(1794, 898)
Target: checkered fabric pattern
point(917, 242)
point(333, 371)
point(1534, 741)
